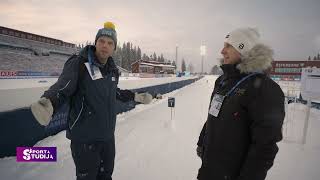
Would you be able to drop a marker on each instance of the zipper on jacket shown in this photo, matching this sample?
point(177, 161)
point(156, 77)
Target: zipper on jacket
point(78, 114)
point(110, 75)
point(65, 86)
point(58, 94)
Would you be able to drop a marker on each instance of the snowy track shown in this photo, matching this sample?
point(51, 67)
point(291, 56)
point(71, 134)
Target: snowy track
point(151, 146)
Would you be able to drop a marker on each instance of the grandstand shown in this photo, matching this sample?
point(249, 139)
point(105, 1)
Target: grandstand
point(22, 51)
point(22, 60)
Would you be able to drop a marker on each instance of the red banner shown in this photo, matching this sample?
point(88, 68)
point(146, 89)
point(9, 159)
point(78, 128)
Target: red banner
point(8, 73)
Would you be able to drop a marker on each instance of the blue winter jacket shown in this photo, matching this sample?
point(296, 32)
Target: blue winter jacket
point(92, 115)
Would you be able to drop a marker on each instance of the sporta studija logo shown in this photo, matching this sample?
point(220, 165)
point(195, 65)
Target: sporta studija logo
point(36, 154)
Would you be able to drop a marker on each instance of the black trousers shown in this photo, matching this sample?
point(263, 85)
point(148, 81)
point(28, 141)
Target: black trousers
point(93, 161)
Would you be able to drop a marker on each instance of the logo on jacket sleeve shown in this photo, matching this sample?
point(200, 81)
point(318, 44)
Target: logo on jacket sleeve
point(239, 92)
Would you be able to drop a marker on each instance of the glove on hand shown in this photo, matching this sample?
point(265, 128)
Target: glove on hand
point(144, 98)
point(42, 110)
point(200, 151)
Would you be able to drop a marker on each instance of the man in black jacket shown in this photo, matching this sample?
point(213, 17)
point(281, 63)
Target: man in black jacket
point(246, 112)
point(89, 81)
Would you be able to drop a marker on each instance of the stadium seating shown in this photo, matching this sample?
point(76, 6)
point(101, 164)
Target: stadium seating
point(26, 55)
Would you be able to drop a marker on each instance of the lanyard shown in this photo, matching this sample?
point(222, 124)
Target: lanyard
point(239, 82)
point(90, 55)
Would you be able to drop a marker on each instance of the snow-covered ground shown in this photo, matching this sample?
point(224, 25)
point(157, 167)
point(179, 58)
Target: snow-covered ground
point(27, 82)
point(125, 82)
point(297, 161)
point(150, 145)
point(18, 93)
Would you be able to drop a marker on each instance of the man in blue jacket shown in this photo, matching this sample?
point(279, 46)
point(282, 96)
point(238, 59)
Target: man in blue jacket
point(89, 81)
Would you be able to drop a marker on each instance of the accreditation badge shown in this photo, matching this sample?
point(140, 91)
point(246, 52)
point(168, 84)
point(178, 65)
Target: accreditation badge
point(96, 72)
point(216, 104)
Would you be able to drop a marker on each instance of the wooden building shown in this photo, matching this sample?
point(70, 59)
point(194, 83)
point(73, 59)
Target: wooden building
point(152, 67)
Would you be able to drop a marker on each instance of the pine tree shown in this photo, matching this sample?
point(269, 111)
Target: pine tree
point(154, 57)
point(117, 56)
point(135, 54)
point(123, 56)
point(161, 58)
point(132, 57)
point(128, 55)
point(174, 64)
point(183, 65)
point(309, 58)
point(139, 53)
point(144, 57)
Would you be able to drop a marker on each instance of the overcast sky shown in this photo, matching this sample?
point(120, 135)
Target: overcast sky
point(290, 27)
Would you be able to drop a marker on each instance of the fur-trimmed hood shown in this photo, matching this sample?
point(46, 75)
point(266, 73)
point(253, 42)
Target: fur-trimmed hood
point(258, 59)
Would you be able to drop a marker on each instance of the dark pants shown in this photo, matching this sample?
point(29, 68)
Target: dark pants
point(93, 161)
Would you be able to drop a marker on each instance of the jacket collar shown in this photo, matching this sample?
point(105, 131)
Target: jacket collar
point(89, 50)
point(230, 70)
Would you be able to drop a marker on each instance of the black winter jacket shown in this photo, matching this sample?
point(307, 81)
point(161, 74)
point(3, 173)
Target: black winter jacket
point(240, 144)
point(92, 115)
